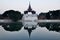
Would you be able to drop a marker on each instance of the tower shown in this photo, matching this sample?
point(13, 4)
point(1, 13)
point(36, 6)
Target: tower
point(29, 10)
point(29, 15)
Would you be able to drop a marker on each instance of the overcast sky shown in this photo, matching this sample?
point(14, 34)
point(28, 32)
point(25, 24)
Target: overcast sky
point(22, 5)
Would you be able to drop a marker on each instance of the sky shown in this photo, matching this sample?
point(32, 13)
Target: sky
point(22, 5)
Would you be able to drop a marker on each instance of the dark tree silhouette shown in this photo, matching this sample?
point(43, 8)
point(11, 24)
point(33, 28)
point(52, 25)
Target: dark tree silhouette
point(47, 15)
point(51, 26)
point(55, 14)
point(42, 16)
point(5, 14)
point(14, 15)
point(54, 27)
point(50, 15)
point(13, 26)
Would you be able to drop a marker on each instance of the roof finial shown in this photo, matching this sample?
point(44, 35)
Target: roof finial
point(29, 9)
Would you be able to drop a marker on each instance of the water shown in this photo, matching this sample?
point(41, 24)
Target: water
point(29, 31)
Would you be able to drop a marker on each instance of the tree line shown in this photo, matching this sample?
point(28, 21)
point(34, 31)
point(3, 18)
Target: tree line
point(11, 14)
point(16, 15)
point(55, 14)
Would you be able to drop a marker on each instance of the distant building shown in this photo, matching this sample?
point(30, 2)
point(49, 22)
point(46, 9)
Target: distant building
point(30, 14)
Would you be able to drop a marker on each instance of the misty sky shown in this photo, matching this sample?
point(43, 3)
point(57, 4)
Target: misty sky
point(22, 5)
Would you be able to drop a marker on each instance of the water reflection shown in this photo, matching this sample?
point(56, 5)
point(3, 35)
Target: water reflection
point(30, 27)
point(51, 26)
point(29, 30)
point(13, 26)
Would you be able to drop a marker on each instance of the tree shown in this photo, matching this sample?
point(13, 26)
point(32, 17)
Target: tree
point(47, 15)
point(55, 14)
point(14, 15)
point(5, 14)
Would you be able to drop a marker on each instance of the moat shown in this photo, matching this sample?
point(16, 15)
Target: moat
point(34, 31)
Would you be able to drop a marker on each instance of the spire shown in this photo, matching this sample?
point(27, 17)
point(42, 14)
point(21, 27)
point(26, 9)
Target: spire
point(29, 9)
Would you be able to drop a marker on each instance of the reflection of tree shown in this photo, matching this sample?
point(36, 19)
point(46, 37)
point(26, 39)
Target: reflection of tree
point(29, 30)
point(54, 27)
point(13, 27)
point(51, 26)
point(42, 24)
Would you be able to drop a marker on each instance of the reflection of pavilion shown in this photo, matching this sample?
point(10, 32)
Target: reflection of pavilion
point(29, 30)
point(29, 26)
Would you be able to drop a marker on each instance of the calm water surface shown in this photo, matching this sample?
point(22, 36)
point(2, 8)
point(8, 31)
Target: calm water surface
point(28, 31)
